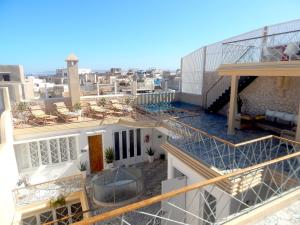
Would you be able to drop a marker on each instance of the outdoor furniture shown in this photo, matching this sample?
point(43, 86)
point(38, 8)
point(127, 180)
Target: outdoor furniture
point(64, 113)
point(277, 122)
point(96, 110)
point(38, 116)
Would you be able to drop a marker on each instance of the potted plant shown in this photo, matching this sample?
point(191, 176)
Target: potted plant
point(83, 168)
point(77, 108)
point(150, 154)
point(127, 100)
point(109, 157)
point(102, 102)
point(21, 109)
point(55, 202)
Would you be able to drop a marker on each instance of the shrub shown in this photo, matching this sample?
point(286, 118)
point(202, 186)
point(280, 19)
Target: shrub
point(109, 155)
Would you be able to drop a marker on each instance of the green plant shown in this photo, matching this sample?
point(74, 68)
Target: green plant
point(109, 155)
point(127, 100)
point(83, 166)
point(150, 152)
point(77, 106)
point(21, 107)
point(59, 201)
point(102, 102)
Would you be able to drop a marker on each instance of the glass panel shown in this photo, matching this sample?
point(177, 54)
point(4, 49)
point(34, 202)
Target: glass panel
point(117, 145)
point(60, 213)
point(124, 144)
point(72, 148)
point(34, 154)
point(76, 208)
point(44, 152)
point(138, 142)
point(63, 149)
point(131, 143)
point(46, 217)
point(29, 221)
point(54, 151)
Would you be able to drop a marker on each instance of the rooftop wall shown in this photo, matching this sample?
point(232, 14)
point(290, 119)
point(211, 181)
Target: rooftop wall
point(207, 59)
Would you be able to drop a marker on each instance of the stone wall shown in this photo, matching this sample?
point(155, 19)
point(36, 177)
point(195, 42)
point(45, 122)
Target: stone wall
point(263, 93)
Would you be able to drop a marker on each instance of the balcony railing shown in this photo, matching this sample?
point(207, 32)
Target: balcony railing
point(269, 48)
point(205, 203)
point(46, 191)
point(225, 156)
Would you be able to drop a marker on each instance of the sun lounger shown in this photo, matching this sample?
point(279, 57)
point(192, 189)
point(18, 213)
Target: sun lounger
point(64, 113)
point(37, 115)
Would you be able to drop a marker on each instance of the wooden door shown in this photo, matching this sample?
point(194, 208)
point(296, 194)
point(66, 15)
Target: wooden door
point(96, 153)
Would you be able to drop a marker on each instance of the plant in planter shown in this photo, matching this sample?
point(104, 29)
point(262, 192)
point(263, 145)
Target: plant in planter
point(83, 168)
point(150, 154)
point(109, 157)
point(77, 107)
point(21, 109)
point(127, 101)
point(60, 200)
point(102, 102)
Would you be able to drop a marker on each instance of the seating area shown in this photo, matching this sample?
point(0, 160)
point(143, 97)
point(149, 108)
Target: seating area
point(281, 123)
point(35, 114)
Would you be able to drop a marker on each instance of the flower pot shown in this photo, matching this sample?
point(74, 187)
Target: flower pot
point(150, 158)
point(109, 165)
point(78, 112)
point(83, 173)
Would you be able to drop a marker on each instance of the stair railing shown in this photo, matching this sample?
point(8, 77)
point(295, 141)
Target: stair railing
point(222, 84)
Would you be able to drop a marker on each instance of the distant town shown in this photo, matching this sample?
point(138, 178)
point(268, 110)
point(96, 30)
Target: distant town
point(113, 81)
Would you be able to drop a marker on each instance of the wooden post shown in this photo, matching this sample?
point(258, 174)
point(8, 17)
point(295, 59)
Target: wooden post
point(232, 104)
point(298, 126)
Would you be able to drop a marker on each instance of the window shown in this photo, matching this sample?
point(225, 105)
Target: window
point(46, 217)
point(124, 144)
point(61, 213)
point(54, 214)
point(131, 143)
point(117, 145)
point(45, 152)
point(138, 142)
point(209, 210)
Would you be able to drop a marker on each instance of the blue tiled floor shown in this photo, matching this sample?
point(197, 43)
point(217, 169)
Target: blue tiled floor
point(217, 125)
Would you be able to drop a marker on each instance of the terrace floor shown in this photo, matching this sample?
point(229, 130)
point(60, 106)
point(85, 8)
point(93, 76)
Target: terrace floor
point(217, 125)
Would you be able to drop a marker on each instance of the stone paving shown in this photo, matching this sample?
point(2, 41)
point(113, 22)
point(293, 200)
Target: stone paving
point(153, 174)
point(287, 216)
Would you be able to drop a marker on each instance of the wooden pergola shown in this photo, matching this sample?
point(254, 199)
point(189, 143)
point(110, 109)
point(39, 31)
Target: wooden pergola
point(263, 69)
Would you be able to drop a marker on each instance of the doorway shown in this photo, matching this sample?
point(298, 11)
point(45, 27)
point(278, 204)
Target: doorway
point(96, 153)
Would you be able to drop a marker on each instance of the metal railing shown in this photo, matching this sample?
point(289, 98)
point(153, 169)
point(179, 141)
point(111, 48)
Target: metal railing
point(204, 202)
point(224, 155)
point(268, 48)
point(48, 190)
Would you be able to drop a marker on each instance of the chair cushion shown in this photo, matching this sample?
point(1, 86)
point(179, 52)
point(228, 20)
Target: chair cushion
point(270, 115)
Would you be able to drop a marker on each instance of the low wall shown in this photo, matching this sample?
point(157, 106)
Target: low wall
point(191, 98)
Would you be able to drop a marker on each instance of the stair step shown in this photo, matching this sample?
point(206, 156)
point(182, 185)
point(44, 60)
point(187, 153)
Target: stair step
point(224, 98)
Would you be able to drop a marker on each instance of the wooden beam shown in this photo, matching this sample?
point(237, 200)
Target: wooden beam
point(280, 68)
point(232, 105)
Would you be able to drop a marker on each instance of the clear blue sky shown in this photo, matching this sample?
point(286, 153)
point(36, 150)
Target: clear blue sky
point(125, 33)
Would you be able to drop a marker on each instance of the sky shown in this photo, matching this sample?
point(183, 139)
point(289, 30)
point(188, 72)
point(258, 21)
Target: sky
point(39, 34)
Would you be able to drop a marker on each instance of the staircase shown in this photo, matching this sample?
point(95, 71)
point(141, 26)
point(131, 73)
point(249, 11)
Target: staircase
point(223, 99)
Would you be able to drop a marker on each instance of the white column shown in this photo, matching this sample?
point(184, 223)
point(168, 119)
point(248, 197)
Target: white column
point(170, 168)
point(232, 104)
point(298, 126)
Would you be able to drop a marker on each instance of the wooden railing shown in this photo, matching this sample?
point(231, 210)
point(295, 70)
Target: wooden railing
point(199, 185)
